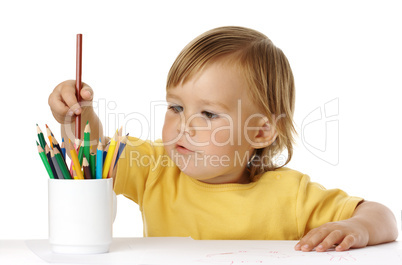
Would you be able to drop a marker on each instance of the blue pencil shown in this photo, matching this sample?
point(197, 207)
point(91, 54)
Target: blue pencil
point(121, 148)
point(99, 160)
point(63, 149)
point(104, 155)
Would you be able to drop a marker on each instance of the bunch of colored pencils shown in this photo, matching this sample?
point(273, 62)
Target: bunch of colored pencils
point(84, 164)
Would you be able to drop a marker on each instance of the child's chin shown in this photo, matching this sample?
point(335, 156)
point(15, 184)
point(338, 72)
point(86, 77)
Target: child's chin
point(194, 174)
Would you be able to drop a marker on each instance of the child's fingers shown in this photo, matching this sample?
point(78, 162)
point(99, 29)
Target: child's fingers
point(333, 238)
point(87, 93)
point(59, 108)
point(312, 239)
point(348, 242)
point(68, 96)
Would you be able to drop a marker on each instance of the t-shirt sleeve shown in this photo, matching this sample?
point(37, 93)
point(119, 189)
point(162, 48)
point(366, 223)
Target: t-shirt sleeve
point(317, 205)
point(134, 169)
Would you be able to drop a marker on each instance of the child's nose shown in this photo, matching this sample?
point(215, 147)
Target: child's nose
point(187, 125)
point(184, 127)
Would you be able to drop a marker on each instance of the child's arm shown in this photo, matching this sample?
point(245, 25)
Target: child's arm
point(64, 107)
point(371, 224)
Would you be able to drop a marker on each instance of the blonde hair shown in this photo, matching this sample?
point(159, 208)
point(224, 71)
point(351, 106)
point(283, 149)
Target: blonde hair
point(268, 75)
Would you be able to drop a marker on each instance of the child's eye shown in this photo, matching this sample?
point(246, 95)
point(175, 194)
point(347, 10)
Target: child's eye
point(176, 108)
point(209, 115)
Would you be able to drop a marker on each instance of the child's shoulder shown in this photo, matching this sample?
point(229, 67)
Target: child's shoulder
point(286, 174)
point(285, 171)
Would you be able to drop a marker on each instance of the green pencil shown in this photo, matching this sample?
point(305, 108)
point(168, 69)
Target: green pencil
point(81, 153)
point(87, 139)
point(92, 164)
point(44, 160)
point(62, 164)
point(41, 137)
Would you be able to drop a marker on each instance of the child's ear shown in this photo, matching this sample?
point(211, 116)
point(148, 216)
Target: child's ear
point(265, 134)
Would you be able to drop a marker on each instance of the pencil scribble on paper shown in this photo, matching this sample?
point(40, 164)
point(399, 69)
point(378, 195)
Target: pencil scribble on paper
point(341, 256)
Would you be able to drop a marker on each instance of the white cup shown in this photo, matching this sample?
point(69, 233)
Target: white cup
point(81, 215)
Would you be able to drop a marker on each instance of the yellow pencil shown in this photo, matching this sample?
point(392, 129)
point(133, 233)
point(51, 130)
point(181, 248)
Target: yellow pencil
point(109, 156)
point(76, 162)
point(74, 174)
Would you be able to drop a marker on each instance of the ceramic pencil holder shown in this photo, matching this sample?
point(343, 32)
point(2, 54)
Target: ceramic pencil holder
point(81, 215)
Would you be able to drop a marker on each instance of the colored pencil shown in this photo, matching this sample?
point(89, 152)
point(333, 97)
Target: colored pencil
point(76, 163)
point(87, 139)
point(49, 135)
point(76, 146)
point(53, 141)
point(99, 160)
point(56, 165)
point(109, 156)
point(74, 174)
point(115, 152)
point(92, 164)
point(49, 159)
point(121, 149)
point(87, 170)
point(62, 164)
point(78, 83)
point(104, 156)
point(63, 148)
point(45, 161)
point(105, 149)
point(81, 152)
point(41, 137)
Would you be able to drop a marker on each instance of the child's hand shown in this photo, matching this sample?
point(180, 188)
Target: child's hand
point(63, 101)
point(347, 233)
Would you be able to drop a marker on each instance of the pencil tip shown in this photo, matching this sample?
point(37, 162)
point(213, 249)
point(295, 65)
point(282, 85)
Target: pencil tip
point(100, 140)
point(87, 122)
point(37, 143)
point(62, 139)
point(47, 126)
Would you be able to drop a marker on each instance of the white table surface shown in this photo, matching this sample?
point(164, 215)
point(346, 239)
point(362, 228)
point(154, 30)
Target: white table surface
point(189, 251)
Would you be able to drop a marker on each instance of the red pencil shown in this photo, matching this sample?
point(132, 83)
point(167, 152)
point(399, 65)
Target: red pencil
point(78, 84)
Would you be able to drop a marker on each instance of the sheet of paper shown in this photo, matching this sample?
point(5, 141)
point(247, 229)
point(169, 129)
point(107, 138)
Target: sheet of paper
point(188, 251)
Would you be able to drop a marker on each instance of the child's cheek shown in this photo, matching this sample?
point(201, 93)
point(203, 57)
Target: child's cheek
point(222, 136)
point(168, 130)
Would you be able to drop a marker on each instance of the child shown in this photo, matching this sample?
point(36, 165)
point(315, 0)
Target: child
point(230, 97)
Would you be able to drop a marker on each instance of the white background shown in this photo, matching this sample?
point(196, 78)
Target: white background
point(347, 53)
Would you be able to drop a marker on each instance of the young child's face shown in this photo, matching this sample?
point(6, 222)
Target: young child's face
point(204, 131)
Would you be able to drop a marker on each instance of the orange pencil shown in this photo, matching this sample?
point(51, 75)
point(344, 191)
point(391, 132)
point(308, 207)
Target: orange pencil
point(49, 135)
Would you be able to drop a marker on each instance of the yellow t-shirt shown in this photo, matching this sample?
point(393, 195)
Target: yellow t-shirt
point(282, 205)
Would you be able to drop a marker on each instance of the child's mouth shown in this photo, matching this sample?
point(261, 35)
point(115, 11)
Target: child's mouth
point(183, 150)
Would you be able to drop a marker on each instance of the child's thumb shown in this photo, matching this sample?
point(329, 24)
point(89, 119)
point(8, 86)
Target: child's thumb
point(87, 93)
